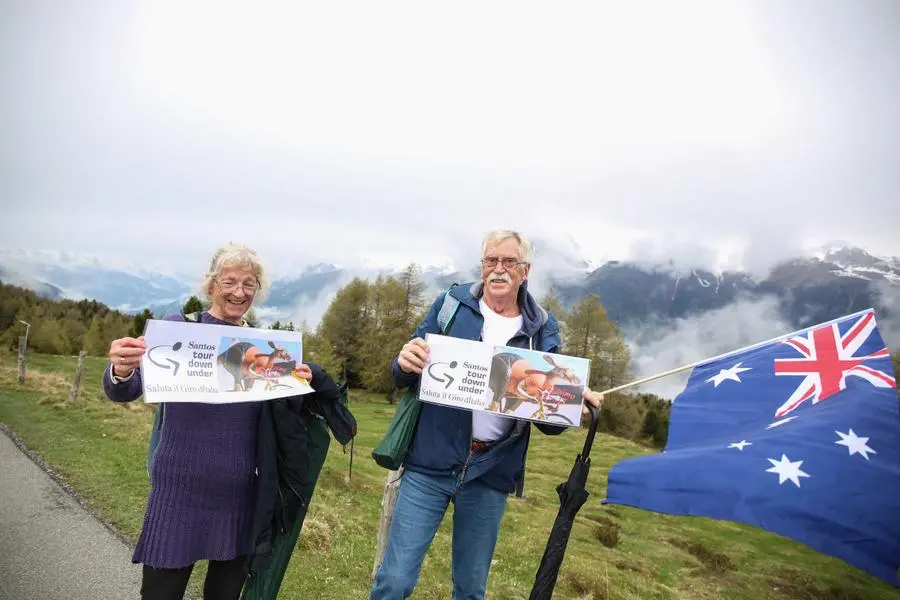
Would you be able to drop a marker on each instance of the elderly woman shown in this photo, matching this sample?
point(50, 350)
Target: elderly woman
point(204, 468)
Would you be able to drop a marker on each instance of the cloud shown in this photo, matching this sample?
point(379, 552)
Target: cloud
point(889, 319)
point(342, 132)
point(657, 349)
point(311, 308)
point(308, 308)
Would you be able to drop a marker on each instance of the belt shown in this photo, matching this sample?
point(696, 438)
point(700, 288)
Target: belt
point(478, 445)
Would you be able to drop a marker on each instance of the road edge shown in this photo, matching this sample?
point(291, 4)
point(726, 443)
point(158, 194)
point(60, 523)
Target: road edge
point(57, 478)
point(44, 466)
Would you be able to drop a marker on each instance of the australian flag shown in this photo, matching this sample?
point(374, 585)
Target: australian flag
point(799, 436)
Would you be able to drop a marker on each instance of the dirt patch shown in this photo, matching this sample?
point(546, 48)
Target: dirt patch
point(315, 536)
point(627, 566)
point(585, 585)
point(607, 533)
point(796, 585)
point(47, 384)
point(600, 520)
point(713, 561)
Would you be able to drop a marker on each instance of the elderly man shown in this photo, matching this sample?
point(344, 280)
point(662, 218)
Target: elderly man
point(473, 459)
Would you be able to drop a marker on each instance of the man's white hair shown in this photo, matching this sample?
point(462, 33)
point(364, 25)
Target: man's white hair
point(498, 236)
point(235, 255)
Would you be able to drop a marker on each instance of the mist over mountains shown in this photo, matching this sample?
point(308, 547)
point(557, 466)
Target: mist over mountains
point(669, 315)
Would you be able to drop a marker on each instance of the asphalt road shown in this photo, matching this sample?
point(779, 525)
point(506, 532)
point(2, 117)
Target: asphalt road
point(50, 547)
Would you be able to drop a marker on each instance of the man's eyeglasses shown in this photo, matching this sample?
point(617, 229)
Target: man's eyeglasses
point(508, 263)
point(229, 285)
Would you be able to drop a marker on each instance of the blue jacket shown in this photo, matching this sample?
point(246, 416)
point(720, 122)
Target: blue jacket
point(443, 438)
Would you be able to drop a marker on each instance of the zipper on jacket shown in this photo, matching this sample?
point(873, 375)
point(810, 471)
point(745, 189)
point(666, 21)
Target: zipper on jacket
point(462, 473)
point(283, 511)
point(296, 493)
point(469, 453)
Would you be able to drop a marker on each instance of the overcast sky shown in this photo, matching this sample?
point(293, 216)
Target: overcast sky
point(325, 130)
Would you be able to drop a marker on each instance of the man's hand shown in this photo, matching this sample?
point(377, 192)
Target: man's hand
point(595, 398)
point(303, 371)
point(413, 356)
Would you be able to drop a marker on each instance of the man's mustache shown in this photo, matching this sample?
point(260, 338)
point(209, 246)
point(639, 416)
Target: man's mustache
point(502, 277)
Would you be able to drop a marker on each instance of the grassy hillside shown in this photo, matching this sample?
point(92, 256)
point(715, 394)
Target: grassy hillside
point(615, 552)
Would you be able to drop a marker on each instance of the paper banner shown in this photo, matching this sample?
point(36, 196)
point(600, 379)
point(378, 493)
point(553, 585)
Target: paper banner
point(219, 364)
point(515, 382)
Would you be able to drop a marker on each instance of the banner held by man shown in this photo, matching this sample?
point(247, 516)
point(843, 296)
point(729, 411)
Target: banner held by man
point(515, 382)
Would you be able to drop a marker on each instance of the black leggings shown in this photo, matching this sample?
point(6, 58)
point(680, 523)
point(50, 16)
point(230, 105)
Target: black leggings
point(224, 581)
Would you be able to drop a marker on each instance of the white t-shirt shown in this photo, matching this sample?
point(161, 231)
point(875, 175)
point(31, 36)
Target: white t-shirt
point(497, 330)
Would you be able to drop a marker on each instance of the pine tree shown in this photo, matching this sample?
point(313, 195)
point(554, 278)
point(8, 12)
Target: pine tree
point(192, 305)
point(95, 338)
point(251, 317)
point(553, 305)
point(651, 423)
point(115, 325)
point(590, 334)
point(58, 326)
point(48, 337)
point(623, 415)
point(343, 324)
point(551, 302)
point(413, 292)
point(316, 349)
point(661, 435)
point(386, 330)
point(140, 321)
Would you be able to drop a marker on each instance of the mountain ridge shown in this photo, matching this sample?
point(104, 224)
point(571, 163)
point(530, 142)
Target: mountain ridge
point(835, 280)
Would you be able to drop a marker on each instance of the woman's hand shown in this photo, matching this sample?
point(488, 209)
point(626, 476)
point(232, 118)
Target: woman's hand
point(125, 355)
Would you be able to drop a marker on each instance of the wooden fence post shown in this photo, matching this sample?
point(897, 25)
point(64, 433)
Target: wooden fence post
point(76, 384)
point(21, 360)
point(388, 499)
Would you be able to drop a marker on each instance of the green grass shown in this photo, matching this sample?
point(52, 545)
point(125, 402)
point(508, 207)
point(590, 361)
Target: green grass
point(616, 552)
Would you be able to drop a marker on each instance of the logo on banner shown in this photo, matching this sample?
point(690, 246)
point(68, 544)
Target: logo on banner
point(170, 363)
point(446, 376)
point(200, 363)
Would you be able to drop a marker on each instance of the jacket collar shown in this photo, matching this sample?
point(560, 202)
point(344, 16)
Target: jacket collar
point(533, 314)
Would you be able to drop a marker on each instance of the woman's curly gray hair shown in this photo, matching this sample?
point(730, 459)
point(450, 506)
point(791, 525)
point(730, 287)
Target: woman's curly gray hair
point(235, 255)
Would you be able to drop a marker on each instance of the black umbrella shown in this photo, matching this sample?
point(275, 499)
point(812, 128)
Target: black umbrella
point(572, 495)
point(345, 400)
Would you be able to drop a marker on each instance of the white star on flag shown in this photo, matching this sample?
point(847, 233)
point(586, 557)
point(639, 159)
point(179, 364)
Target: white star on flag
point(740, 445)
point(855, 444)
point(731, 374)
point(787, 470)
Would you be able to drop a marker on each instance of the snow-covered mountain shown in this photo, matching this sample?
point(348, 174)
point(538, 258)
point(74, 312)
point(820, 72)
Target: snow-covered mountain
point(825, 284)
point(813, 288)
point(59, 274)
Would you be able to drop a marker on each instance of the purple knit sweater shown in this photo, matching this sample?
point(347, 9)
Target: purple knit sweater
point(201, 481)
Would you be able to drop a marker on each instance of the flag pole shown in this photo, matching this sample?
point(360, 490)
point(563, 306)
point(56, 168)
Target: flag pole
point(730, 352)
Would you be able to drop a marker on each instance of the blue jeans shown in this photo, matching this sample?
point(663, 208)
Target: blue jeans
point(418, 512)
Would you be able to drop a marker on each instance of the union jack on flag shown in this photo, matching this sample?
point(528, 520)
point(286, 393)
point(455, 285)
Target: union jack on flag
point(828, 358)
